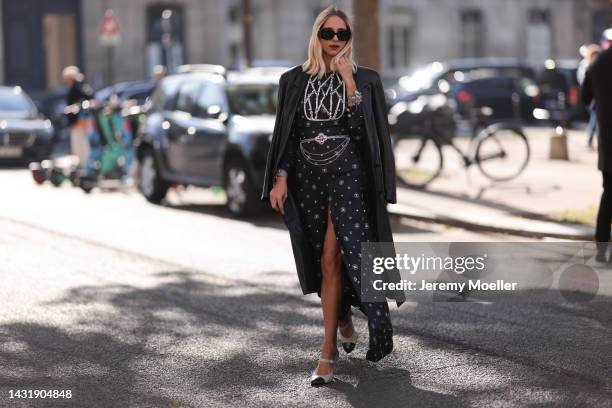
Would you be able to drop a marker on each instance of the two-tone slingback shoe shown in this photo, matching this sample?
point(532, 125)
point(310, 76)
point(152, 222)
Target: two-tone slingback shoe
point(348, 343)
point(316, 380)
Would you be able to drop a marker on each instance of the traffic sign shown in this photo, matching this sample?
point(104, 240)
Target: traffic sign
point(109, 33)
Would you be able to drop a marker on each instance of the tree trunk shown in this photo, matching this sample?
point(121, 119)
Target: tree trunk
point(366, 37)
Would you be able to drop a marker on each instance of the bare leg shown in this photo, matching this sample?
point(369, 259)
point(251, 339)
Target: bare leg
point(331, 292)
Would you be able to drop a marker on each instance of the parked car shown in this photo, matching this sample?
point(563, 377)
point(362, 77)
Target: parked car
point(132, 96)
point(505, 86)
point(206, 129)
point(260, 63)
point(25, 135)
point(560, 91)
point(52, 104)
point(136, 90)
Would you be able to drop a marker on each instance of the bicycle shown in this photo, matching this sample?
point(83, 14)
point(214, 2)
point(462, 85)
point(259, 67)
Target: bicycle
point(500, 150)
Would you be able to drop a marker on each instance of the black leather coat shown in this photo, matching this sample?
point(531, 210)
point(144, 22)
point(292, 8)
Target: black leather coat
point(379, 163)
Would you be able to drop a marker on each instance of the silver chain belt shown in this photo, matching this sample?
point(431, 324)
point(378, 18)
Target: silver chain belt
point(324, 158)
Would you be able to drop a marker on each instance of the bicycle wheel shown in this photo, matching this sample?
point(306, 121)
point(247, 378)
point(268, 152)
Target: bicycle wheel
point(502, 153)
point(417, 161)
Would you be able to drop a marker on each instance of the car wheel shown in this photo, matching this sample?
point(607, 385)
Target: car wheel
point(242, 194)
point(150, 182)
point(87, 184)
point(38, 173)
point(57, 177)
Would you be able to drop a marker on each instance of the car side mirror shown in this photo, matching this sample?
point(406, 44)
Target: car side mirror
point(213, 112)
point(216, 112)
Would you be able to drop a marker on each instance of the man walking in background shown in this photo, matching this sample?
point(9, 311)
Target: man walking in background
point(597, 87)
point(77, 92)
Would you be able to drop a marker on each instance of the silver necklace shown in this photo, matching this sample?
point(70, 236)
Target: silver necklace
point(325, 92)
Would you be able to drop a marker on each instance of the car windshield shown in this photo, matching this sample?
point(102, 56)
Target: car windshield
point(15, 104)
point(421, 78)
point(252, 99)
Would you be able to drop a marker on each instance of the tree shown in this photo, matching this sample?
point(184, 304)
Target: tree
point(367, 32)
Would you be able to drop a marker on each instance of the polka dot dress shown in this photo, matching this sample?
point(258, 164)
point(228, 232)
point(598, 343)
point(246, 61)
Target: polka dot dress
point(340, 187)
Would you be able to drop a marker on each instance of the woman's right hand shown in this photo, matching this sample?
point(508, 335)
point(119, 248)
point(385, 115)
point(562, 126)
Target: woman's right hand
point(278, 194)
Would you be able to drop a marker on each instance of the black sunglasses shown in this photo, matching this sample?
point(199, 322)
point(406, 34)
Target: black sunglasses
point(328, 33)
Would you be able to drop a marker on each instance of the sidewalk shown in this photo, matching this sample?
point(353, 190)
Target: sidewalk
point(533, 205)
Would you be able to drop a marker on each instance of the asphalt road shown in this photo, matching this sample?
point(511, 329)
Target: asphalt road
point(130, 304)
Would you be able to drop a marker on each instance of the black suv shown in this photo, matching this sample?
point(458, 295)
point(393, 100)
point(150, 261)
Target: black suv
point(560, 100)
point(506, 86)
point(210, 129)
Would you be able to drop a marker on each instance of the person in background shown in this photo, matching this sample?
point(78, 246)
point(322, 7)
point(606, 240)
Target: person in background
point(159, 72)
point(589, 54)
point(77, 92)
point(597, 87)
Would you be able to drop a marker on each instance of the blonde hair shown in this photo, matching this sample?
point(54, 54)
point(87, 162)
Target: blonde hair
point(73, 72)
point(315, 65)
point(592, 52)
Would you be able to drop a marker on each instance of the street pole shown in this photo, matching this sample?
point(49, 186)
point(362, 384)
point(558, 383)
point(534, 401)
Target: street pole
point(247, 21)
point(110, 65)
point(109, 51)
point(109, 37)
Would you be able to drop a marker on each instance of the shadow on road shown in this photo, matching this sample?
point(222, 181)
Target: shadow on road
point(479, 200)
point(391, 388)
point(270, 219)
point(184, 341)
point(196, 341)
point(13, 165)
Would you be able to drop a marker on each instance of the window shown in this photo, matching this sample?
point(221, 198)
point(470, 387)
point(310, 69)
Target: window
point(253, 99)
point(233, 34)
point(398, 43)
point(399, 24)
point(165, 37)
point(164, 95)
point(234, 13)
point(472, 33)
point(186, 99)
point(211, 101)
point(539, 38)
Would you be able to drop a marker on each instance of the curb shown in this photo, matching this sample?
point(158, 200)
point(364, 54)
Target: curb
point(400, 210)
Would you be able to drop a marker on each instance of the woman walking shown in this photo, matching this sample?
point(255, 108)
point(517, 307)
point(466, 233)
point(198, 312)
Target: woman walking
point(330, 172)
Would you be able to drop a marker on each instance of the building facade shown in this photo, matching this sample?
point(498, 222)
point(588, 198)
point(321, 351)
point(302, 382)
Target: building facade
point(39, 37)
point(420, 31)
